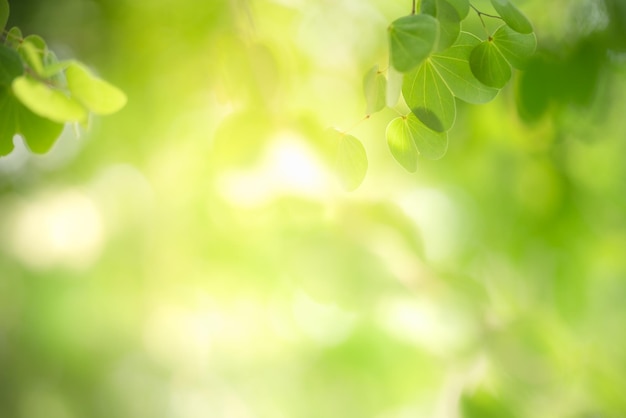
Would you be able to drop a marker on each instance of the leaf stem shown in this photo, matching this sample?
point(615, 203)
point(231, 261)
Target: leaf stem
point(480, 16)
point(413, 9)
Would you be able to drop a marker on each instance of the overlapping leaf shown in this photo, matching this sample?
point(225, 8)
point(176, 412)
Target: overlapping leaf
point(449, 19)
point(411, 40)
point(4, 14)
point(46, 101)
point(351, 162)
point(10, 66)
point(512, 16)
point(375, 89)
point(97, 95)
point(516, 47)
point(394, 86)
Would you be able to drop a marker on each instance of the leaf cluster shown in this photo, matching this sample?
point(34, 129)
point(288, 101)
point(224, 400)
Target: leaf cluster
point(433, 63)
point(40, 93)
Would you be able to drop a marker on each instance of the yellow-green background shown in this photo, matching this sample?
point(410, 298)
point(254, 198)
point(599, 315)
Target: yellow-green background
point(193, 256)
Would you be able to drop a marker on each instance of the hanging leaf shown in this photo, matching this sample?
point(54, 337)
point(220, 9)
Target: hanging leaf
point(489, 66)
point(375, 88)
point(46, 101)
point(462, 7)
point(430, 144)
point(516, 47)
point(4, 14)
point(512, 16)
point(10, 66)
point(33, 49)
point(401, 144)
point(351, 163)
point(429, 98)
point(94, 93)
point(453, 67)
point(14, 37)
point(394, 86)
point(7, 122)
point(449, 21)
point(411, 40)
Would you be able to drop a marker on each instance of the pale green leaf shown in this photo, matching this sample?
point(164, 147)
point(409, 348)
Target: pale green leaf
point(351, 163)
point(4, 14)
point(516, 47)
point(33, 49)
point(453, 66)
point(94, 93)
point(449, 21)
point(46, 101)
point(411, 40)
point(512, 16)
point(462, 7)
point(375, 89)
point(401, 145)
point(10, 66)
point(394, 86)
point(489, 66)
point(429, 98)
point(430, 144)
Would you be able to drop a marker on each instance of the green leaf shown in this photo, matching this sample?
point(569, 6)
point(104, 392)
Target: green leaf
point(512, 16)
point(449, 22)
point(53, 68)
point(411, 40)
point(430, 144)
point(429, 98)
point(10, 66)
point(401, 145)
point(4, 14)
point(46, 101)
point(454, 68)
point(462, 7)
point(14, 37)
point(94, 93)
point(516, 47)
point(33, 49)
point(489, 66)
point(394, 86)
point(8, 126)
point(375, 88)
point(351, 163)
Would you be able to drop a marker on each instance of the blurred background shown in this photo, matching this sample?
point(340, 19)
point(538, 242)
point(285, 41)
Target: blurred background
point(193, 255)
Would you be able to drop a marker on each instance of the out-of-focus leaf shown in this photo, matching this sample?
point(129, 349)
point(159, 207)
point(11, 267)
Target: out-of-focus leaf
point(375, 89)
point(512, 16)
point(7, 121)
point(411, 40)
point(394, 85)
point(14, 37)
point(4, 13)
point(10, 66)
point(516, 47)
point(33, 49)
point(401, 145)
point(462, 7)
point(95, 94)
point(351, 163)
point(46, 101)
point(489, 66)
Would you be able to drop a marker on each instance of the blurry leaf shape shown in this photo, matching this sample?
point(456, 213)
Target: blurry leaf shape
point(454, 68)
point(10, 66)
point(517, 48)
point(39, 133)
point(46, 101)
point(394, 86)
point(375, 88)
point(53, 67)
point(4, 13)
point(482, 404)
point(489, 66)
point(429, 98)
point(401, 145)
point(462, 7)
point(430, 144)
point(351, 163)
point(95, 94)
point(33, 49)
point(449, 21)
point(512, 16)
point(14, 37)
point(411, 40)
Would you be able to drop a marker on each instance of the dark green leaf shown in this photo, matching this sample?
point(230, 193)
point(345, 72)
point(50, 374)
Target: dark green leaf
point(14, 37)
point(411, 40)
point(375, 88)
point(453, 66)
point(429, 98)
point(401, 144)
point(94, 93)
point(430, 144)
point(46, 101)
point(10, 66)
point(8, 126)
point(512, 16)
point(351, 163)
point(4, 14)
point(489, 66)
point(516, 47)
point(39, 133)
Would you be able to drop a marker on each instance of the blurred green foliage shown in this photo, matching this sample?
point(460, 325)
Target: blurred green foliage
point(193, 256)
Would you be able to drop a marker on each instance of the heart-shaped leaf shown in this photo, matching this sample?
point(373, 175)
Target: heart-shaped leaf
point(430, 144)
point(516, 47)
point(94, 93)
point(14, 37)
point(351, 162)
point(46, 101)
point(489, 66)
point(429, 98)
point(512, 16)
point(411, 40)
point(453, 67)
point(33, 49)
point(401, 144)
point(10, 66)
point(4, 14)
point(375, 88)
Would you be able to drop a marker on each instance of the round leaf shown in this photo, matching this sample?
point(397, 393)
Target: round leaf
point(401, 145)
point(462, 7)
point(394, 86)
point(33, 49)
point(430, 144)
point(94, 93)
point(512, 16)
point(4, 14)
point(429, 98)
point(516, 47)
point(14, 37)
point(375, 88)
point(10, 66)
point(453, 66)
point(39, 133)
point(351, 163)
point(411, 40)
point(449, 25)
point(46, 101)
point(489, 66)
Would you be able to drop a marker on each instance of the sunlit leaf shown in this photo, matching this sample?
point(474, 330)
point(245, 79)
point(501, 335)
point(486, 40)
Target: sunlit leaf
point(453, 66)
point(351, 163)
point(394, 86)
point(375, 88)
point(429, 98)
point(430, 144)
point(401, 145)
point(516, 47)
point(512, 16)
point(94, 93)
point(10, 65)
point(411, 40)
point(4, 13)
point(489, 66)
point(33, 49)
point(46, 101)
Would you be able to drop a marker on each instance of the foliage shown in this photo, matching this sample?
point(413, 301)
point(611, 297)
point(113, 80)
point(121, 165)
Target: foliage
point(39, 93)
